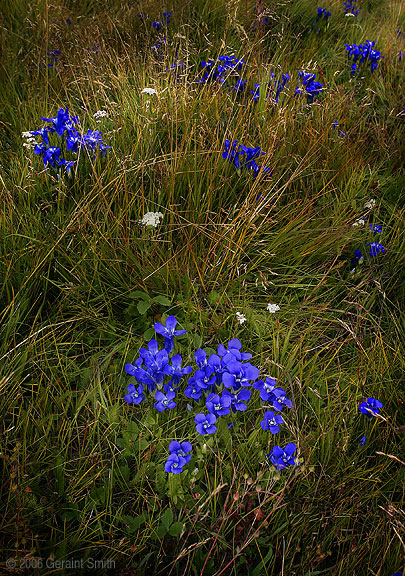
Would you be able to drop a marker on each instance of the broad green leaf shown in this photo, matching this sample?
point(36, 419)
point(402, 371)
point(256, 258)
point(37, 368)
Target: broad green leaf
point(176, 528)
point(162, 300)
point(143, 306)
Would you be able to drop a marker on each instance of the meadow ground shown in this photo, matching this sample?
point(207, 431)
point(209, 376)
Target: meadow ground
point(83, 280)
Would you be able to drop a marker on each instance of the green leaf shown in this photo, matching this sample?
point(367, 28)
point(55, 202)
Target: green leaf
point(258, 571)
point(132, 428)
point(176, 529)
point(125, 472)
point(162, 300)
point(139, 294)
point(133, 524)
point(224, 433)
point(167, 517)
point(143, 306)
point(149, 334)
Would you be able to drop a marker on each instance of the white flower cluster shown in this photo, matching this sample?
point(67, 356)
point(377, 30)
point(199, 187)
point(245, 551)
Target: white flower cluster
point(370, 204)
point(151, 219)
point(273, 308)
point(359, 222)
point(241, 318)
point(30, 140)
point(100, 114)
point(149, 91)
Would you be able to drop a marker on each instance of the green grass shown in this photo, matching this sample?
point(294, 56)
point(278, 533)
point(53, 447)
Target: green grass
point(82, 473)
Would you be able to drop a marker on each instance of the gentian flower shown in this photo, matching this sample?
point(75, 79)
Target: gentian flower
point(135, 395)
point(363, 440)
point(364, 52)
point(370, 407)
point(376, 228)
point(63, 121)
point(205, 423)
point(205, 378)
point(193, 390)
point(200, 357)
point(181, 449)
point(175, 464)
point(323, 12)
point(239, 399)
point(218, 405)
point(279, 399)
point(175, 370)
point(266, 388)
point(271, 422)
point(169, 331)
point(239, 375)
point(375, 248)
point(164, 401)
point(311, 87)
point(358, 258)
point(350, 8)
point(282, 458)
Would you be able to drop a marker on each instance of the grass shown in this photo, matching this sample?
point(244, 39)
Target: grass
point(82, 473)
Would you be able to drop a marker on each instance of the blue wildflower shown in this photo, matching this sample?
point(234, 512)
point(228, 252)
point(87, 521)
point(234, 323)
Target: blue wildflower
point(282, 458)
point(266, 388)
point(239, 375)
point(218, 405)
point(168, 331)
point(363, 440)
point(239, 399)
point(174, 464)
point(376, 228)
point(370, 407)
point(311, 87)
point(361, 53)
point(135, 395)
point(279, 399)
point(164, 401)
point(244, 157)
point(358, 258)
point(181, 449)
point(322, 12)
point(350, 7)
point(193, 390)
point(175, 370)
point(375, 248)
point(271, 422)
point(205, 423)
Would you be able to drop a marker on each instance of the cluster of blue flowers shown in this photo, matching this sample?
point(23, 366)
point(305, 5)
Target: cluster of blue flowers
point(310, 86)
point(273, 91)
point(350, 7)
point(62, 129)
point(341, 134)
point(179, 456)
point(227, 66)
point(158, 24)
point(375, 247)
point(361, 53)
point(323, 13)
point(244, 157)
point(370, 407)
point(223, 378)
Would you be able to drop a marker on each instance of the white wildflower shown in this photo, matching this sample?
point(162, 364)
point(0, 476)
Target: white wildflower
point(370, 204)
point(151, 219)
point(241, 318)
point(30, 140)
point(149, 91)
point(359, 222)
point(273, 308)
point(100, 114)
